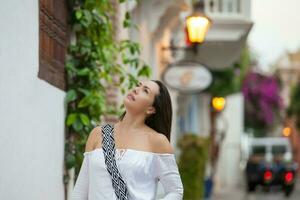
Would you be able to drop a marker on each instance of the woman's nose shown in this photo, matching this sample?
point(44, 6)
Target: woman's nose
point(136, 89)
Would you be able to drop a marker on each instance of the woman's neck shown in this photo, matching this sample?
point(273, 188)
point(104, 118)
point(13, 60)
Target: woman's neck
point(131, 121)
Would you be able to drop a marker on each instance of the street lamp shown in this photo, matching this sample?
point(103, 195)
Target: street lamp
point(218, 103)
point(197, 26)
point(286, 131)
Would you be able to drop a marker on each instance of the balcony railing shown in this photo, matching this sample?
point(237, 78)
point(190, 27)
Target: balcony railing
point(227, 8)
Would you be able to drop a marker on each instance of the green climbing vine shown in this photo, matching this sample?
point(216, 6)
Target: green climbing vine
point(94, 61)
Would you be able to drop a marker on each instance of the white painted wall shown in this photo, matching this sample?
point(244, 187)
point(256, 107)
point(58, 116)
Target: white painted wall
point(204, 114)
point(31, 112)
point(228, 171)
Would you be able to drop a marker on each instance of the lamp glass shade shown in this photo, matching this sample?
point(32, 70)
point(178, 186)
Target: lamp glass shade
point(286, 131)
point(218, 103)
point(197, 26)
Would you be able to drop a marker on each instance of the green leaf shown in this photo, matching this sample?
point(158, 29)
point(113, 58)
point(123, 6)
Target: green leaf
point(70, 160)
point(78, 14)
point(126, 23)
point(83, 72)
point(84, 91)
point(98, 17)
point(145, 71)
point(84, 119)
point(88, 16)
point(122, 78)
point(84, 102)
point(123, 90)
point(71, 118)
point(85, 41)
point(70, 64)
point(77, 125)
point(71, 96)
point(127, 15)
point(85, 50)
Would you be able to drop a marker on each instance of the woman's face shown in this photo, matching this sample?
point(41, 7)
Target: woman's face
point(141, 98)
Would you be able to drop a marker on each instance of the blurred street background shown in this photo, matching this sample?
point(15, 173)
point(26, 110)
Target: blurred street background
point(232, 68)
point(239, 193)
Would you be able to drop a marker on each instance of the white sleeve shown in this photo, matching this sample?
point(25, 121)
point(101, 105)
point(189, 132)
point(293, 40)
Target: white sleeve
point(80, 190)
point(169, 177)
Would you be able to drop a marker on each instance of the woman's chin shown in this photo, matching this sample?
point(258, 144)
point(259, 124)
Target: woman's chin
point(128, 102)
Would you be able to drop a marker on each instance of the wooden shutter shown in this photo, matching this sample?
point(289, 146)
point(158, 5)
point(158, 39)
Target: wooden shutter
point(53, 41)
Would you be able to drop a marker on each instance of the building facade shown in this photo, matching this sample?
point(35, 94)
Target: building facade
point(287, 67)
point(32, 83)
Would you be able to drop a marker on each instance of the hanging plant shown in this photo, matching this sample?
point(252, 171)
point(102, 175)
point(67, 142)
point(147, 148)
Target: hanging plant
point(95, 60)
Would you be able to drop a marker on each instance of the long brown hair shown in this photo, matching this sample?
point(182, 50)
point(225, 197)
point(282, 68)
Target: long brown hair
point(161, 120)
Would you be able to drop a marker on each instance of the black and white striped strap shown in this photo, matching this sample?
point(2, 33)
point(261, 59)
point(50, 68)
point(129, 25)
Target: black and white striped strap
point(108, 146)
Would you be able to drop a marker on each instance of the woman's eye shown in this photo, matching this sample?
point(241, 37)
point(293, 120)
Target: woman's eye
point(146, 91)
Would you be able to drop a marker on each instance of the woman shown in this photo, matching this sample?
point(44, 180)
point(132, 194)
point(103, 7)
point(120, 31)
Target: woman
point(143, 154)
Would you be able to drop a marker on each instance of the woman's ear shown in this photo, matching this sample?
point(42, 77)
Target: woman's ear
point(151, 110)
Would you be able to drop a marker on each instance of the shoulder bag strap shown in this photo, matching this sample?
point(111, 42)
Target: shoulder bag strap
point(108, 146)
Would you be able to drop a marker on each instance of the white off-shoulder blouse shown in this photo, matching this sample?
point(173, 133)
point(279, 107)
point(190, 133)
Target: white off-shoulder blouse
point(141, 170)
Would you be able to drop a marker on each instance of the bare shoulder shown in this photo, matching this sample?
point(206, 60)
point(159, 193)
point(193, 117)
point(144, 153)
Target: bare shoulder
point(161, 143)
point(93, 139)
